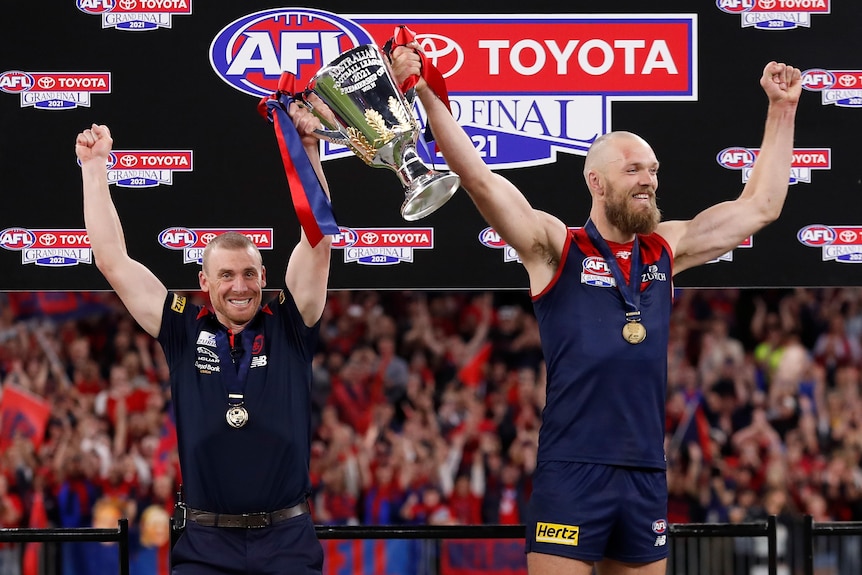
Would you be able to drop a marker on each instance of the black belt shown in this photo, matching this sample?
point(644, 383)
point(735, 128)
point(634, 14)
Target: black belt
point(246, 520)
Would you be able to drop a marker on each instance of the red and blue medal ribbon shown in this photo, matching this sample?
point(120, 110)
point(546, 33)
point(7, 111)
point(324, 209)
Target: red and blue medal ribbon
point(313, 208)
point(631, 290)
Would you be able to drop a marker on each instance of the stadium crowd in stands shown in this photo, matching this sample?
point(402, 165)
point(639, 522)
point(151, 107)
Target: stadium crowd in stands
point(426, 410)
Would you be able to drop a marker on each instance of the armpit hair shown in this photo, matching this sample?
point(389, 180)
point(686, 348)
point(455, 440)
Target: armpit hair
point(545, 253)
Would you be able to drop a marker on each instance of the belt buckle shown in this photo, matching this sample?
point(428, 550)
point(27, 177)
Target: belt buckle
point(251, 522)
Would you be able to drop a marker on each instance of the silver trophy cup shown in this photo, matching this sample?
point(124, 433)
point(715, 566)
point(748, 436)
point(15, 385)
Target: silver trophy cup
point(374, 120)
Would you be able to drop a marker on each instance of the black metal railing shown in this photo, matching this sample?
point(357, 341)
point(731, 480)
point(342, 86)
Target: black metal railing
point(119, 535)
point(831, 531)
point(684, 558)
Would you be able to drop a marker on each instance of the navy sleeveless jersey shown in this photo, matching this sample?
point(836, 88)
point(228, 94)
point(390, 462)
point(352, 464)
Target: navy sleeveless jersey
point(605, 397)
point(262, 466)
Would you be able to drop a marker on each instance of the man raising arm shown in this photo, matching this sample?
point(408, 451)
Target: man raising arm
point(240, 382)
point(602, 296)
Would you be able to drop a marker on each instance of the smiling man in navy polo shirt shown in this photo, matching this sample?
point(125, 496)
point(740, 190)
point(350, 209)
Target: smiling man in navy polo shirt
point(240, 381)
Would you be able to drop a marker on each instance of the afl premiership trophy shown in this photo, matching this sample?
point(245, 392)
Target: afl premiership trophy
point(374, 120)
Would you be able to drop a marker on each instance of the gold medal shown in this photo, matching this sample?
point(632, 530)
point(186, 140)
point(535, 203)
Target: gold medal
point(236, 416)
point(634, 332)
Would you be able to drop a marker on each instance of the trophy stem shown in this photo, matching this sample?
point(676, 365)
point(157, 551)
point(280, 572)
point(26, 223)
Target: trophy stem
point(426, 189)
point(411, 167)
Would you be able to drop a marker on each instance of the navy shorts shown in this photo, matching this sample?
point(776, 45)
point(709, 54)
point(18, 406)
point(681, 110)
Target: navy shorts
point(589, 512)
point(287, 547)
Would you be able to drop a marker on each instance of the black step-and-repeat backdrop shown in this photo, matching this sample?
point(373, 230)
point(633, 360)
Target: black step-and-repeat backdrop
point(178, 82)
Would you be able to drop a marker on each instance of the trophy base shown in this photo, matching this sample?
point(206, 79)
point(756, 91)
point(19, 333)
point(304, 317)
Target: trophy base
point(428, 193)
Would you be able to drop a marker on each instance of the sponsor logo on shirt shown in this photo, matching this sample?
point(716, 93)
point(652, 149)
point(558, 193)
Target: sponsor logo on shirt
point(653, 274)
point(556, 533)
point(206, 338)
point(659, 527)
point(207, 361)
point(206, 368)
point(203, 351)
point(179, 304)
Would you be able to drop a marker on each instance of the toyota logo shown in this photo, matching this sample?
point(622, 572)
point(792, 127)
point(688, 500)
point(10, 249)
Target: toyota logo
point(46, 83)
point(446, 55)
point(847, 236)
point(128, 161)
point(48, 239)
point(207, 237)
point(370, 238)
point(847, 80)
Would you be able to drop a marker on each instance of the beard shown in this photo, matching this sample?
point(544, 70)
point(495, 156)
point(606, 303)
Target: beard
point(629, 220)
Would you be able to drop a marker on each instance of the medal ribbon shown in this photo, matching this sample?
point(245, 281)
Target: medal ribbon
point(234, 375)
point(631, 291)
point(313, 208)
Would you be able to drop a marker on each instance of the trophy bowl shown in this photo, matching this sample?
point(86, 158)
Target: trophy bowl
point(372, 117)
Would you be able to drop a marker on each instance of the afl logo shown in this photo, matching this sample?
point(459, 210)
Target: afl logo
point(596, 266)
point(95, 6)
point(817, 79)
point(109, 163)
point(735, 158)
point(178, 238)
point(251, 53)
point(345, 238)
point(596, 273)
point(16, 239)
point(15, 82)
point(816, 235)
point(488, 237)
point(735, 6)
point(659, 526)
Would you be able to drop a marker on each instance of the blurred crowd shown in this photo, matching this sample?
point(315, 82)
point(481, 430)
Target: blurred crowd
point(427, 408)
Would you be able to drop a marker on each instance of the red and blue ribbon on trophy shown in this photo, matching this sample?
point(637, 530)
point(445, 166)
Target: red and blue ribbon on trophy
point(312, 205)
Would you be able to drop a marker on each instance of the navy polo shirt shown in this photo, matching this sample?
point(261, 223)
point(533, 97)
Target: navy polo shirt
point(262, 466)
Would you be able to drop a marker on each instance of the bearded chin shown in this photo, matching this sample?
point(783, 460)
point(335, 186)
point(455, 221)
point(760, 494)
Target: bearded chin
point(632, 221)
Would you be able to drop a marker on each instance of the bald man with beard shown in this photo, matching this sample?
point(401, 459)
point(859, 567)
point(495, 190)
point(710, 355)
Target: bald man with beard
point(599, 494)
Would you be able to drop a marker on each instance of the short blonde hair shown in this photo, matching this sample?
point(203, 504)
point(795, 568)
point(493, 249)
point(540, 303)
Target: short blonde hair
point(229, 241)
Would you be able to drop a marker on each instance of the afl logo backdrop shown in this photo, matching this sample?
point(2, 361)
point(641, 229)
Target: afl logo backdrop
point(251, 53)
point(490, 238)
point(816, 235)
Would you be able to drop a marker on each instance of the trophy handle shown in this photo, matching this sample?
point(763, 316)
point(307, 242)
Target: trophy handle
point(333, 135)
point(331, 132)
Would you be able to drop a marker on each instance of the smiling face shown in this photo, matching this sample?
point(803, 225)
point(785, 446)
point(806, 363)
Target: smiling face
point(623, 170)
point(234, 277)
